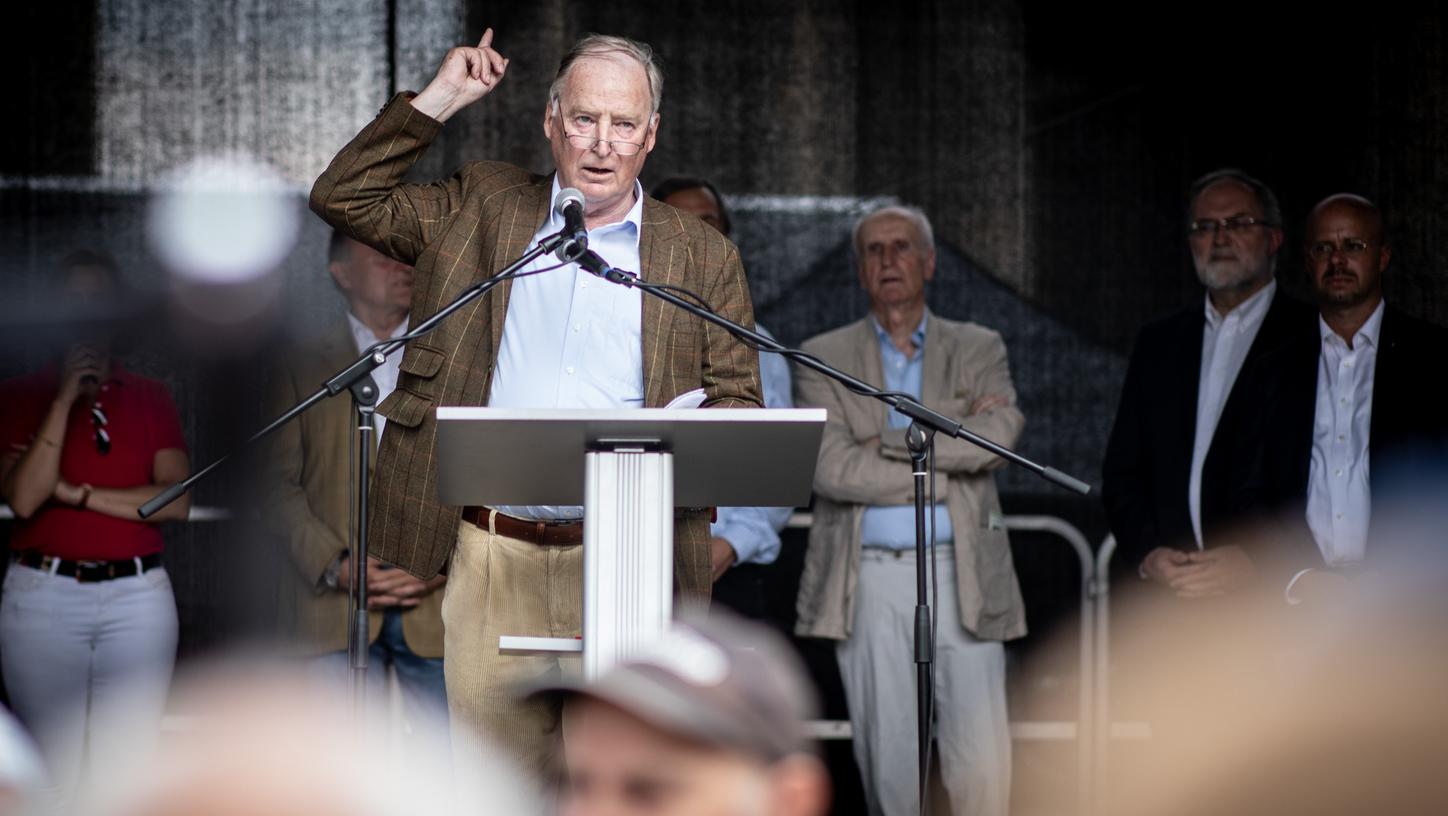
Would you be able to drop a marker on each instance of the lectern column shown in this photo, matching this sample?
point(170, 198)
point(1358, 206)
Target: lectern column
point(628, 552)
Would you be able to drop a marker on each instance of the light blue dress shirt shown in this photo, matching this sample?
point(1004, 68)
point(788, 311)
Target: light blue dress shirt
point(753, 532)
point(893, 527)
point(572, 340)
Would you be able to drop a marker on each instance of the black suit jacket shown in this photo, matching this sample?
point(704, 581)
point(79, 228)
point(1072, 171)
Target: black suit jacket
point(1149, 456)
point(1271, 465)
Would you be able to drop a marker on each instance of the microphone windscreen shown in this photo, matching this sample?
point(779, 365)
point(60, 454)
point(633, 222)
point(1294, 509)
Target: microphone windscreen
point(566, 196)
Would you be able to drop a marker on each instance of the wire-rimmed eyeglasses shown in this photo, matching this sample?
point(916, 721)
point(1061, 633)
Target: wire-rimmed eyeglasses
point(1232, 226)
point(1350, 248)
point(619, 146)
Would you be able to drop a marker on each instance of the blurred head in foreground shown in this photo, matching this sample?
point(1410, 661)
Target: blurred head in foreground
point(1330, 707)
point(708, 721)
point(269, 741)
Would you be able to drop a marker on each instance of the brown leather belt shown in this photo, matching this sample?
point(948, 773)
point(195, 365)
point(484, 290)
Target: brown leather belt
point(542, 533)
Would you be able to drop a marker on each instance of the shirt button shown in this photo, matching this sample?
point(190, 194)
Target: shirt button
point(569, 369)
point(577, 326)
point(1339, 516)
point(1337, 472)
point(1340, 437)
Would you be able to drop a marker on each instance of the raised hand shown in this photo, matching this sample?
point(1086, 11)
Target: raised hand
point(84, 366)
point(466, 75)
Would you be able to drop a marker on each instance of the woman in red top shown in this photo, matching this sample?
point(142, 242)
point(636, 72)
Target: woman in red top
point(87, 608)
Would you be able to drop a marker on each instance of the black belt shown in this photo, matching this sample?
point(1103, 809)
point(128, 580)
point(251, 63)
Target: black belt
point(88, 572)
point(542, 533)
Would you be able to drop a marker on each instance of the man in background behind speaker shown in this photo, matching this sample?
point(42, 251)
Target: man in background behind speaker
point(858, 586)
point(311, 497)
point(742, 540)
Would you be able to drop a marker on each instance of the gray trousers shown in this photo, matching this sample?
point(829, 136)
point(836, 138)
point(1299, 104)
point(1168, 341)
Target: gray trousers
point(88, 665)
point(877, 666)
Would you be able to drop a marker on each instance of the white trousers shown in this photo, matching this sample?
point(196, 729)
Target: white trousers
point(877, 666)
point(87, 665)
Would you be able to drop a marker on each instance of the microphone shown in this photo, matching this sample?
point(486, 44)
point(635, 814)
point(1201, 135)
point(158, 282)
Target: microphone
point(591, 262)
point(569, 205)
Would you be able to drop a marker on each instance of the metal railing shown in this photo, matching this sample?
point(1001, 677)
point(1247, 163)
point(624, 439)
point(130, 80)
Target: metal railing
point(1092, 729)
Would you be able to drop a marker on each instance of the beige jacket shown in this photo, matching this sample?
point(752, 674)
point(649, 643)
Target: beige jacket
point(963, 362)
point(309, 505)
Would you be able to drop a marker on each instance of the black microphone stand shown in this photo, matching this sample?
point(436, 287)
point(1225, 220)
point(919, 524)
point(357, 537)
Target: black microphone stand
point(357, 380)
point(925, 422)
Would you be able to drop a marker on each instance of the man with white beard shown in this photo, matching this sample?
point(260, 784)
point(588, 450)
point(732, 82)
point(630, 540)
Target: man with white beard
point(1164, 477)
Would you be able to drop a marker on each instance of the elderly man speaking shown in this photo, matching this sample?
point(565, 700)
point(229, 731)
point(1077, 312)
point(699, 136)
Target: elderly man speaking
point(562, 339)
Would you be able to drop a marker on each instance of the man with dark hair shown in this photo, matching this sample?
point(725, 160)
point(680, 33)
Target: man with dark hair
point(709, 720)
point(1164, 478)
point(698, 197)
point(1341, 405)
point(310, 500)
point(742, 540)
point(559, 340)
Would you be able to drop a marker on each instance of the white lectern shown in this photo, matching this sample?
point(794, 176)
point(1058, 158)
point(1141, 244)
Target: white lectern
point(629, 469)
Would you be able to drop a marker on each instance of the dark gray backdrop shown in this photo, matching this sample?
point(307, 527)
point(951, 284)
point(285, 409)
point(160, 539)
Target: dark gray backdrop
point(1050, 145)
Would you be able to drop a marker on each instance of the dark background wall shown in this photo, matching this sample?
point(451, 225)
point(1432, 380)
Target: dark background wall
point(1051, 144)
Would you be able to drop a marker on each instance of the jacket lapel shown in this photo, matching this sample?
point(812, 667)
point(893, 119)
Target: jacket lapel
point(336, 348)
point(1189, 384)
point(936, 364)
point(1383, 425)
point(871, 368)
point(663, 255)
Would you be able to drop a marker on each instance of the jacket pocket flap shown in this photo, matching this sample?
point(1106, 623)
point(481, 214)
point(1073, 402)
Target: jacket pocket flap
point(422, 361)
point(405, 408)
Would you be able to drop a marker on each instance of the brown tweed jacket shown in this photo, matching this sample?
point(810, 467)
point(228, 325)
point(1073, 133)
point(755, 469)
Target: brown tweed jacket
point(457, 231)
point(309, 506)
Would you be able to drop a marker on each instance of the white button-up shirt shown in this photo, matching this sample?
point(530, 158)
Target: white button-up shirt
point(572, 340)
point(384, 375)
point(1339, 502)
point(1225, 342)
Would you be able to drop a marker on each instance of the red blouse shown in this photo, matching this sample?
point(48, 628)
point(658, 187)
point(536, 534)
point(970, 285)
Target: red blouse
point(141, 420)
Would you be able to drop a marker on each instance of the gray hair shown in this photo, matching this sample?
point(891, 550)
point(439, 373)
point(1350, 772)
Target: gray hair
point(600, 45)
point(914, 215)
point(1271, 210)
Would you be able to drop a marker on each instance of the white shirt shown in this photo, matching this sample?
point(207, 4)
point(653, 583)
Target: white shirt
point(572, 340)
point(1338, 496)
point(1225, 342)
point(384, 375)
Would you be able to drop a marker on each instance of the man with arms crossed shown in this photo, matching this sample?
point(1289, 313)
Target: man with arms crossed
point(858, 585)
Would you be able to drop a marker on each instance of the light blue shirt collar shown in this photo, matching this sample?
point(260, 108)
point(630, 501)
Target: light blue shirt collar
point(917, 337)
